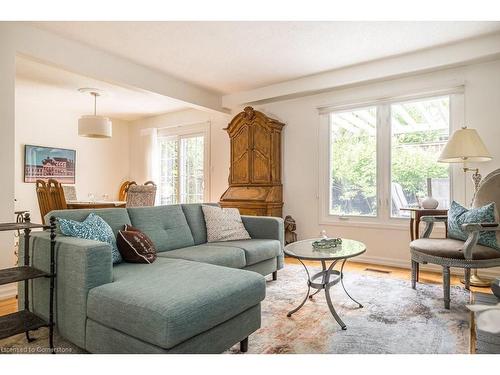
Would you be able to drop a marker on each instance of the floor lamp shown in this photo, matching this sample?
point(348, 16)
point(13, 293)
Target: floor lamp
point(466, 146)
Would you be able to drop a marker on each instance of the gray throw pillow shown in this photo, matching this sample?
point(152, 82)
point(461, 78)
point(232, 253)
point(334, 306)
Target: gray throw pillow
point(224, 224)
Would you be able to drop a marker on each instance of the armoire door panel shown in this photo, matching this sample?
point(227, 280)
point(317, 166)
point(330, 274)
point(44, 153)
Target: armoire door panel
point(262, 140)
point(239, 171)
point(240, 143)
point(261, 171)
point(240, 156)
point(261, 156)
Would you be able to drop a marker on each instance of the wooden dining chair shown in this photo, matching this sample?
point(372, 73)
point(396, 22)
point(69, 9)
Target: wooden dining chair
point(122, 194)
point(56, 195)
point(44, 199)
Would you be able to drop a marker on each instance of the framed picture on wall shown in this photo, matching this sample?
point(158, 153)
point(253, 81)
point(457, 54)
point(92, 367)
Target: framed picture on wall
point(42, 163)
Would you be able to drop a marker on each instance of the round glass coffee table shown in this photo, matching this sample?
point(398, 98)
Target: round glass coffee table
point(303, 250)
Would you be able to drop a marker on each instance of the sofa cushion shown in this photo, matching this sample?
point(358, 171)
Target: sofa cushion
point(165, 225)
point(256, 250)
point(449, 248)
point(196, 220)
point(115, 217)
point(172, 300)
point(207, 253)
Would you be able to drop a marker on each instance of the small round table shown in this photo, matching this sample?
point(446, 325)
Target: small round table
point(303, 250)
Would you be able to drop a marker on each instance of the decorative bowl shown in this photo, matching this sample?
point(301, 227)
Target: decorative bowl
point(326, 243)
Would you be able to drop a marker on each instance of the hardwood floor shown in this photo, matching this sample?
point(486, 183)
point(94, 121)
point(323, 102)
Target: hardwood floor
point(10, 305)
point(394, 272)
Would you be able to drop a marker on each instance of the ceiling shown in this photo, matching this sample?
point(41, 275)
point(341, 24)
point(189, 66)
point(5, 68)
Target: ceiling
point(233, 56)
point(118, 102)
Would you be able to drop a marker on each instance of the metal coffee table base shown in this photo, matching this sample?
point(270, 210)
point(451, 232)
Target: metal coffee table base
point(326, 284)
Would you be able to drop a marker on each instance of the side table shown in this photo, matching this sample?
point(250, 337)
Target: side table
point(416, 214)
point(303, 250)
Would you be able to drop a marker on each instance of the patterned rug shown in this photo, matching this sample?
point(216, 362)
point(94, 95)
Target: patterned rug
point(394, 319)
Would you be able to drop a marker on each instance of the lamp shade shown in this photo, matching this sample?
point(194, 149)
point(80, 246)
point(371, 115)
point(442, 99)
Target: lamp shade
point(94, 127)
point(465, 145)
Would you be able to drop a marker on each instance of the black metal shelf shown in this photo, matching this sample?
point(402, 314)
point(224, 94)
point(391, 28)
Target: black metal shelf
point(25, 320)
point(21, 226)
point(20, 322)
point(15, 274)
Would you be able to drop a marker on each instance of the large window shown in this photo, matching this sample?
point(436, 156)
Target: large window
point(183, 171)
point(383, 157)
point(353, 162)
point(419, 131)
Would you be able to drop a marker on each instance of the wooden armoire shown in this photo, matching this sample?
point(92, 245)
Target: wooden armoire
point(255, 171)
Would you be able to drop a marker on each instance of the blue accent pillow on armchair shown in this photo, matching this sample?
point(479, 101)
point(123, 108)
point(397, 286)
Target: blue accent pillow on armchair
point(458, 215)
point(92, 228)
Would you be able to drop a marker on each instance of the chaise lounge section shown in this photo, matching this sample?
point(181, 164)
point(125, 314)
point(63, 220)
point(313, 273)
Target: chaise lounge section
point(197, 297)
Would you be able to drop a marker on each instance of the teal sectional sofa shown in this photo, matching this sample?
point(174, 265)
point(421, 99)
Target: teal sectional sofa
point(197, 297)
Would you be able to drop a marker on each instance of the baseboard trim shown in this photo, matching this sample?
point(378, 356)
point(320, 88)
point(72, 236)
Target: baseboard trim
point(405, 264)
point(8, 291)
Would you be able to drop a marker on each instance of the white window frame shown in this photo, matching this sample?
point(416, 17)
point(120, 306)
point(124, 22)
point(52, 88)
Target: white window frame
point(187, 131)
point(383, 217)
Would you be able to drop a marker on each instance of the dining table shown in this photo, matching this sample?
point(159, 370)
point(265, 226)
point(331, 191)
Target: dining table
point(94, 204)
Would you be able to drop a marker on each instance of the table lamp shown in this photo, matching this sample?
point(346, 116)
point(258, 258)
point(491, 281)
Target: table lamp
point(465, 146)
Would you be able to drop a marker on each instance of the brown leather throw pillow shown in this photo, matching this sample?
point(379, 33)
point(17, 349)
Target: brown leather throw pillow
point(135, 246)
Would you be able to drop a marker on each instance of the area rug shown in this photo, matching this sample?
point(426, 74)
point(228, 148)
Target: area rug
point(395, 319)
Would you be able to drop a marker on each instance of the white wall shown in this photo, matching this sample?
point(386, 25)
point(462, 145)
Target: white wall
point(140, 171)
point(300, 147)
point(42, 119)
point(7, 88)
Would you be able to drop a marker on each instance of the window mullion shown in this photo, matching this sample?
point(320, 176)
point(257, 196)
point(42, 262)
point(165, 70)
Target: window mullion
point(383, 161)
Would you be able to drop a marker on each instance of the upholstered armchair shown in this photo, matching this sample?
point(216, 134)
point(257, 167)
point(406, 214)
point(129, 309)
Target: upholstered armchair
point(448, 252)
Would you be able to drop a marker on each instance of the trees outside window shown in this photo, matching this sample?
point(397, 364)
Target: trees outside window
point(418, 130)
point(353, 161)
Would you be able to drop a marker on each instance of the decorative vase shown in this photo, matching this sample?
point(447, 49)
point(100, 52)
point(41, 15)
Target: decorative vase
point(430, 203)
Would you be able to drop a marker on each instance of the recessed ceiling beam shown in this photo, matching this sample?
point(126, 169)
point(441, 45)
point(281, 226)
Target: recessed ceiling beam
point(461, 53)
point(52, 49)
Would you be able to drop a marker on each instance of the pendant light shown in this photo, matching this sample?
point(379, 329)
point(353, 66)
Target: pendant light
point(93, 126)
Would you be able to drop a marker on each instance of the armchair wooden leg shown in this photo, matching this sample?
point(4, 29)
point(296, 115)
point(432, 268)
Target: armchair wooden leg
point(244, 345)
point(467, 278)
point(446, 287)
point(414, 274)
point(275, 275)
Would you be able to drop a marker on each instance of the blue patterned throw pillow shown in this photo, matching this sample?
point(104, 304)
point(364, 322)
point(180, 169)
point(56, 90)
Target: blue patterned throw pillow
point(458, 215)
point(92, 228)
